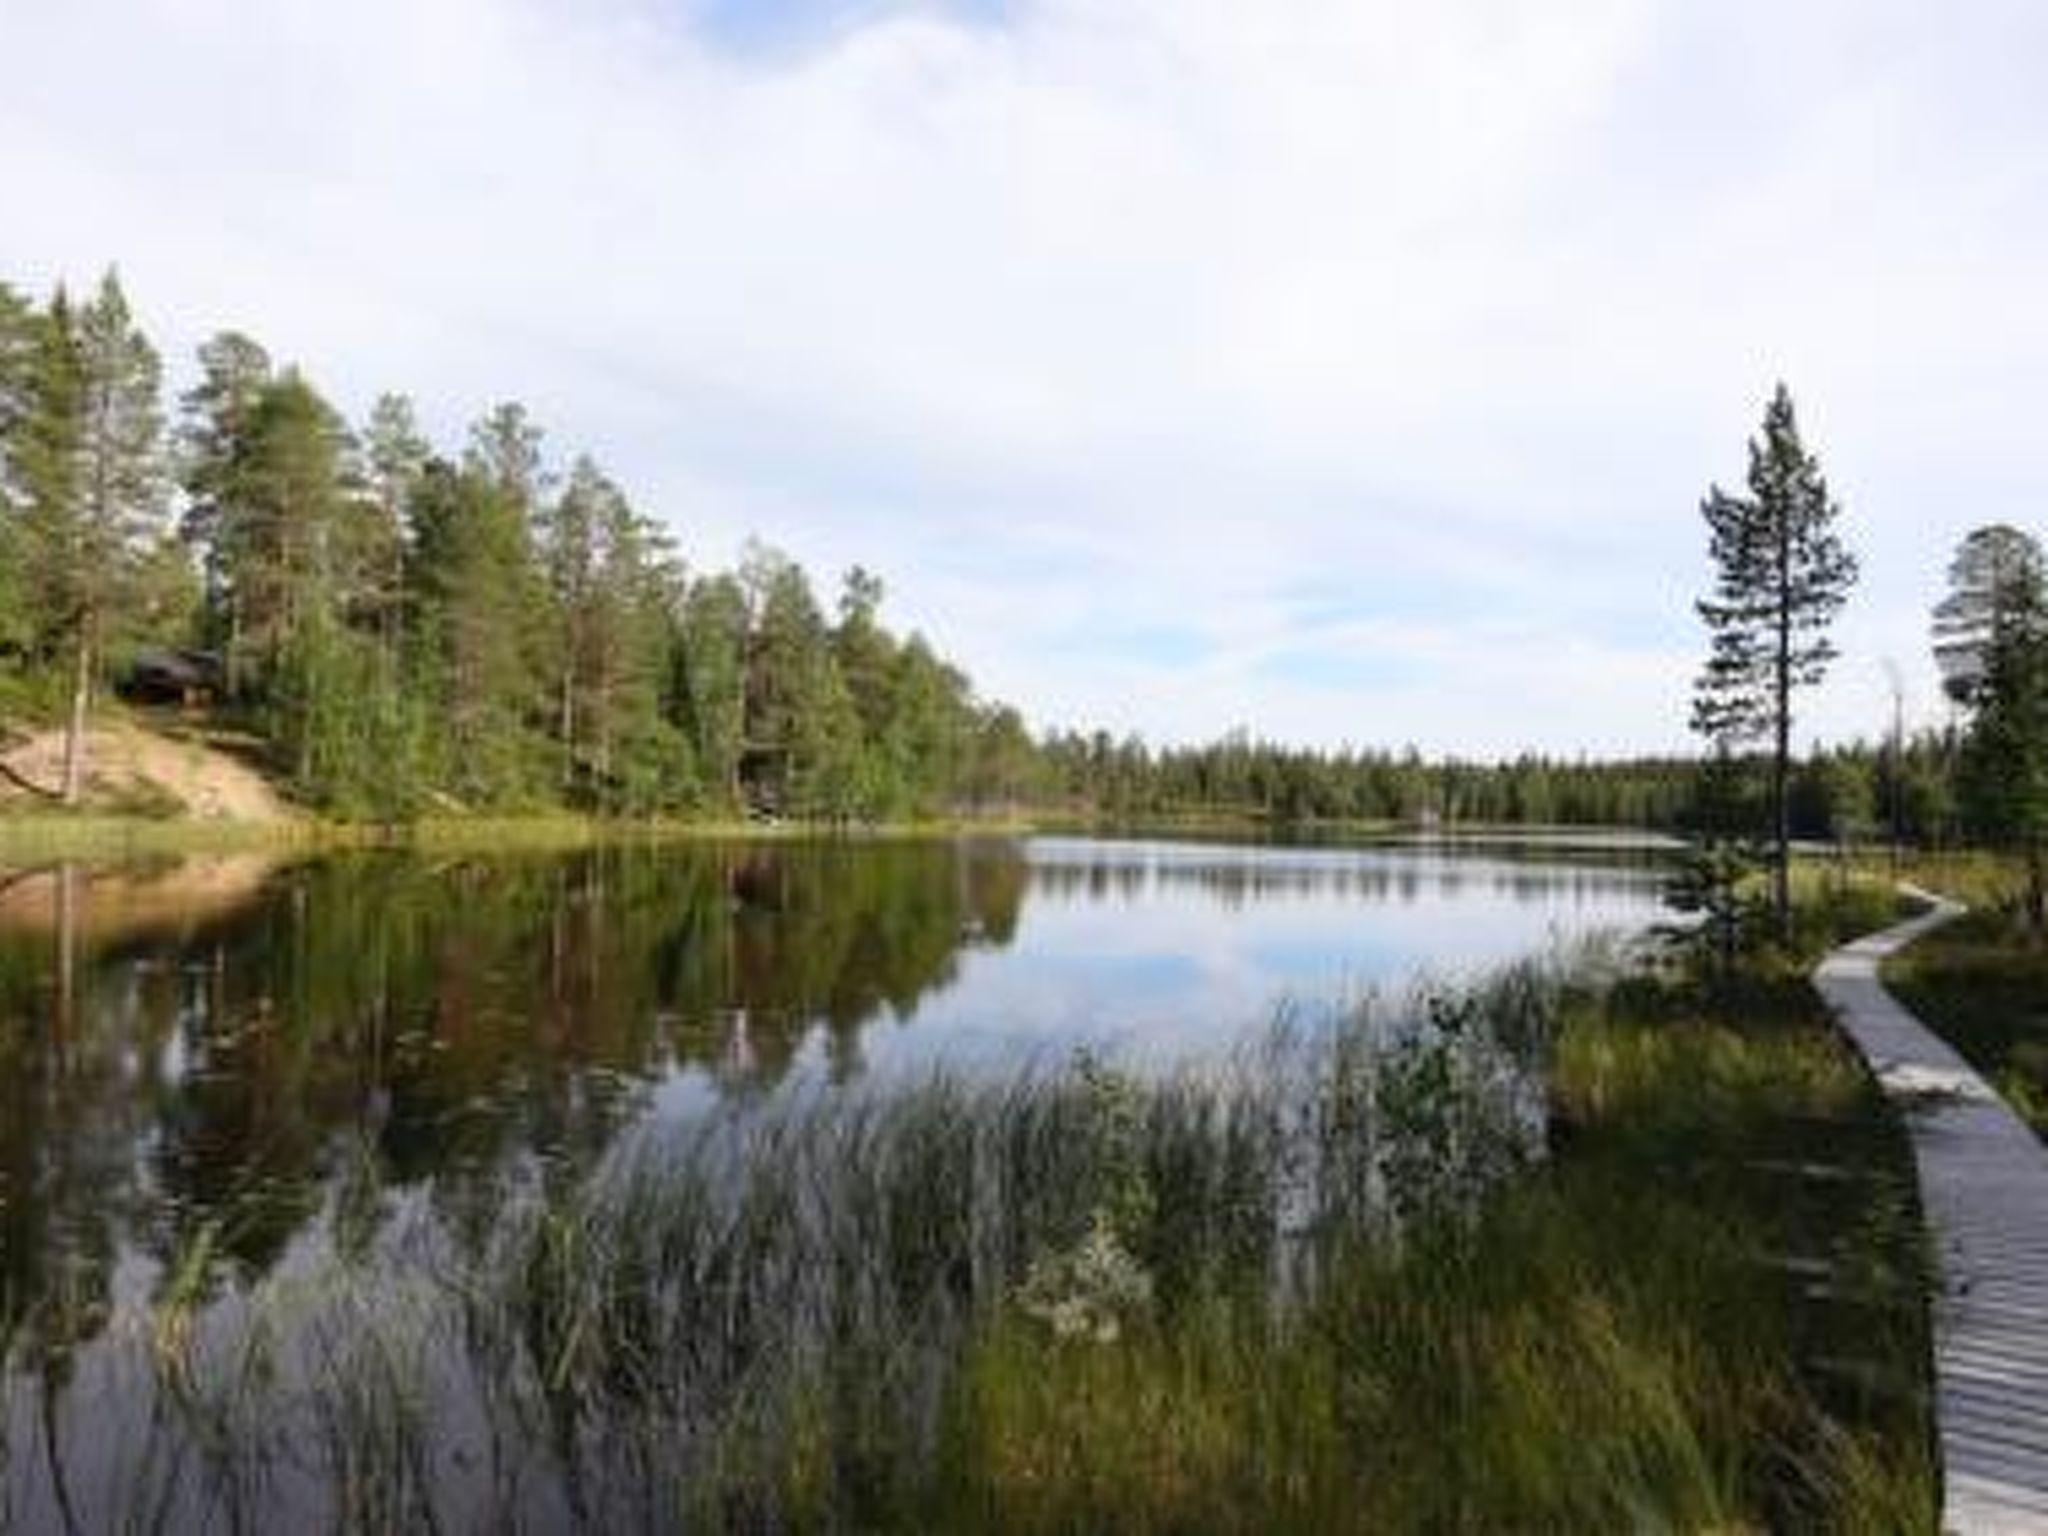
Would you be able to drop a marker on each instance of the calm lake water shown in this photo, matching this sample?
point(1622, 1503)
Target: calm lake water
point(196, 1040)
point(200, 1056)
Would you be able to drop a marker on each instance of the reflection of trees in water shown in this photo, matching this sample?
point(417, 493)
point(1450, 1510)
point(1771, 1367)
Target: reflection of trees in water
point(466, 1019)
point(1236, 880)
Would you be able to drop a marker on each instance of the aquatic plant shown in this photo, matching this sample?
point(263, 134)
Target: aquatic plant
point(1471, 1260)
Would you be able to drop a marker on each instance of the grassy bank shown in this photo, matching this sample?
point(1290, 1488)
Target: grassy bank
point(35, 834)
point(1981, 982)
point(1579, 1250)
point(44, 836)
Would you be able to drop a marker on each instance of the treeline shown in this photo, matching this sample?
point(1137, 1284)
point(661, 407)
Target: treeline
point(1852, 793)
point(1241, 776)
point(411, 628)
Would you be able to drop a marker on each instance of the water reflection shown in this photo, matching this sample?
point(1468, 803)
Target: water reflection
point(198, 1057)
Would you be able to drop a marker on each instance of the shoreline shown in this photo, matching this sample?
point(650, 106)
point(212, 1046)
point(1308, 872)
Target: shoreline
point(50, 834)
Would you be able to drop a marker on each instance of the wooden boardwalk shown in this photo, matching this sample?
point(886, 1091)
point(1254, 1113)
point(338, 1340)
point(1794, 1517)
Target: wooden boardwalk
point(1984, 1191)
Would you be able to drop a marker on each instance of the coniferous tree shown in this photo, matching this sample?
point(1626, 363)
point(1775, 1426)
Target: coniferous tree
point(395, 455)
point(925, 730)
point(94, 481)
point(46, 456)
point(18, 328)
point(477, 596)
point(2004, 777)
point(787, 678)
point(710, 685)
point(407, 629)
point(301, 575)
point(1991, 564)
point(213, 459)
point(641, 758)
point(1781, 576)
point(611, 590)
point(569, 551)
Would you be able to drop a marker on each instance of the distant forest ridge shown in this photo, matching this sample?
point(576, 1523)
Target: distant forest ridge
point(412, 628)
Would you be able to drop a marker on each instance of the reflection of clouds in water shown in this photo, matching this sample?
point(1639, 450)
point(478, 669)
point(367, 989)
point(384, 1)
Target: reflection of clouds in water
point(1079, 869)
point(205, 1060)
point(1178, 946)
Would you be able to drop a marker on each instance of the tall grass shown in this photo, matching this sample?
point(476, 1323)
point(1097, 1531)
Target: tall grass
point(1982, 984)
point(1522, 1258)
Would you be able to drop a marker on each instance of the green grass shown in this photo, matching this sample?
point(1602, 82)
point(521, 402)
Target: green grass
point(42, 835)
point(1582, 1250)
point(1981, 983)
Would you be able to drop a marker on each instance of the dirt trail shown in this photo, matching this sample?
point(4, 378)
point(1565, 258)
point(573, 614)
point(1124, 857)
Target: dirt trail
point(129, 765)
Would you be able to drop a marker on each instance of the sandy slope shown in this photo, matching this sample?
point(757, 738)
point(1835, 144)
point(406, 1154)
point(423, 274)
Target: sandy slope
point(127, 761)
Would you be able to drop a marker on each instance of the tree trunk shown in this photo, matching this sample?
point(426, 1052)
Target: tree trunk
point(1781, 757)
point(566, 722)
point(2037, 885)
point(81, 703)
point(231, 663)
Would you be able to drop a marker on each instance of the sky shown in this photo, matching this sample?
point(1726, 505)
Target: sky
point(1344, 372)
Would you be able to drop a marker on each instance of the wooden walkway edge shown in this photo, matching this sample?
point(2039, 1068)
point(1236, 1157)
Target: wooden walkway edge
point(1984, 1194)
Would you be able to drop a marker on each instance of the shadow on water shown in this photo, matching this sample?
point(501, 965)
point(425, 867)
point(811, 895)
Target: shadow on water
point(183, 1045)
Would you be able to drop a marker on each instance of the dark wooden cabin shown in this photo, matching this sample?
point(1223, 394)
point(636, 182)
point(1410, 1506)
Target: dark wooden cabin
point(159, 675)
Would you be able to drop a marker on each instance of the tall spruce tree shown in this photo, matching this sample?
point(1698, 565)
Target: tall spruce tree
point(1781, 576)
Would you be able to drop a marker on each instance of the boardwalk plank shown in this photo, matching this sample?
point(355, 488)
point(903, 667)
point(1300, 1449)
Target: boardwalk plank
point(1984, 1190)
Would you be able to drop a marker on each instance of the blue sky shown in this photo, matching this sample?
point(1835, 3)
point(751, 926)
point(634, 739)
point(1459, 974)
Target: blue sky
point(1344, 371)
point(778, 30)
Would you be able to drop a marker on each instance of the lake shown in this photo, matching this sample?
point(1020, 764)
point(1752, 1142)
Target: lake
point(202, 1061)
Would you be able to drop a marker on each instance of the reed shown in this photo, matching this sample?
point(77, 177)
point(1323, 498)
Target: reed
point(1546, 1254)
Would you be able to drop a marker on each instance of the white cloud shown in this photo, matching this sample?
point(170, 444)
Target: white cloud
point(1129, 317)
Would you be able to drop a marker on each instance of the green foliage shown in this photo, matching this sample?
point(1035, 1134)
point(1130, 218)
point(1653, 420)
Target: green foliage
point(1992, 565)
point(1982, 983)
point(708, 688)
point(2004, 780)
point(418, 633)
point(18, 345)
point(82, 493)
point(1780, 577)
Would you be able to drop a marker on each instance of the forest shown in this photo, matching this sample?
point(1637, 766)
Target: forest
point(412, 629)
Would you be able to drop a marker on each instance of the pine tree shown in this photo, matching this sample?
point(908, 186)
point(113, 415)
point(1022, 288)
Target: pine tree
point(476, 596)
point(93, 479)
point(18, 335)
point(299, 575)
point(213, 455)
point(639, 753)
point(569, 552)
point(787, 652)
point(2004, 777)
point(1781, 577)
point(396, 455)
point(609, 579)
point(1990, 565)
point(710, 685)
